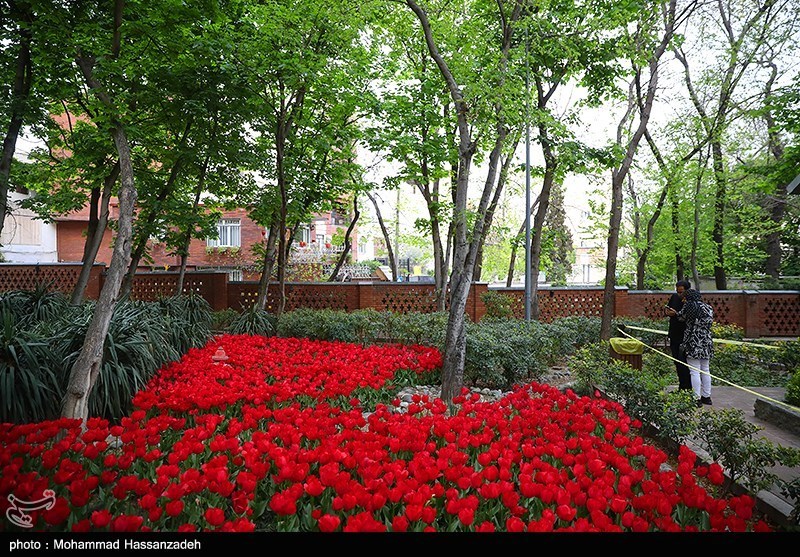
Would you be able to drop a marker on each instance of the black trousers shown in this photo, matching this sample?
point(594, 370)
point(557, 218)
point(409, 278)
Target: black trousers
point(684, 379)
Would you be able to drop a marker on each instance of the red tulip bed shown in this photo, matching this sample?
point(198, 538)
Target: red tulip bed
point(276, 438)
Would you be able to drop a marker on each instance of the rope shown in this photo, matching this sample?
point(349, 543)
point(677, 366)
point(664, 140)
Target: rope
point(789, 406)
point(719, 340)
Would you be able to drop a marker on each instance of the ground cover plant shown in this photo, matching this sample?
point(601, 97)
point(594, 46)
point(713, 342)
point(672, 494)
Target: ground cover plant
point(299, 435)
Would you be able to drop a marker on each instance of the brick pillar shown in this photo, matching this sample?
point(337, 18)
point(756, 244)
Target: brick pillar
point(95, 283)
point(621, 301)
point(478, 307)
point(751, 299)
point(217, 294)
point(367, 294)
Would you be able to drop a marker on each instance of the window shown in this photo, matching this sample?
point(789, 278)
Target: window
point(229, 234)
point(587, 272)
point(303, 234)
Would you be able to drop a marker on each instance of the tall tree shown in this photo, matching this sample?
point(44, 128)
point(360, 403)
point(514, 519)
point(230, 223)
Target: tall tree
point(85, 371)
point(309, 67)
point(744, 28)
point(16, 105)
point(466, 240)
point(652, 51)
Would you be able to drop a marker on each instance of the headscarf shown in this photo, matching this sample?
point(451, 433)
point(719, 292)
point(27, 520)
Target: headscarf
point(692, 295)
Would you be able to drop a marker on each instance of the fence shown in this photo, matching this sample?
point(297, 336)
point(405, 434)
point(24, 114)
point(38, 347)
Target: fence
point(760, 313)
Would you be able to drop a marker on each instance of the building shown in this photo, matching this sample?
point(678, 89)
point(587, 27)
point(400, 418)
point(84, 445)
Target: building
point(26, 239)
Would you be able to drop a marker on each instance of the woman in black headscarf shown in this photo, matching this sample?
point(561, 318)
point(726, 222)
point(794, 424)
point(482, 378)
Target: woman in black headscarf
point(697, 343)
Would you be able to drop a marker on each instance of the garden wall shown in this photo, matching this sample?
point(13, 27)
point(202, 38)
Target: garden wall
point(760, 313)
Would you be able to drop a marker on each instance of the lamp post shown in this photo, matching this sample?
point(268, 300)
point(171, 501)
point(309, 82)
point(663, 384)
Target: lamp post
point(528, 274)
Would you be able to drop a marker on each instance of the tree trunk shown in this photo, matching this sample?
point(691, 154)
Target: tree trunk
point(153, 214)
point(720, 198)
point(464, 250)
point(515, 245)
point(386, 237)
point(347, 243)
point(651, 224)
point(776, 204)
point(20, 93)
point(187, 239)
point(619, 174)
point(696, 227)
point(541, 213)
point(86, 369)
point(94, 239)
point(269, 262)
point(501, 183)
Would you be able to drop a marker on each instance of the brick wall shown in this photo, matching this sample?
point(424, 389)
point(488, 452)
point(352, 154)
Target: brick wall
point(760, 313)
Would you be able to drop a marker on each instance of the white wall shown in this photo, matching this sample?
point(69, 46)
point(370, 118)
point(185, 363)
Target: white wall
point(26, 239)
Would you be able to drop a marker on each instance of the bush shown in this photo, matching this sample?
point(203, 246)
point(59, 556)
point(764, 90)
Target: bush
point(746, 365)
point(793, 390)
point(732, 441)
point(253, 321)
point(31, 386)
point(138, 343)
point(39, 355)
point(221, 320)
point(498, 305)
point(188, 322)
point(729, 332)
point(584, 330)
point(30, 307)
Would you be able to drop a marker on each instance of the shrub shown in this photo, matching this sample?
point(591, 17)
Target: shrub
point(30, 382)
point(793, 390)
point(253, 321)
point(221, 320)
point(731, 441)
point(746, 365)
point(501, 353)
point(642, 393)
point(584, 330)
point(31, 307)
point(498, 305)
point(188, 320)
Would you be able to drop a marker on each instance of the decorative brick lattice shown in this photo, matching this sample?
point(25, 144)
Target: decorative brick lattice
point(149, 288)
point(192, 285)
point(315, 297)
point(408, 299)
point(722, 304)
point(248, 297)
point(781, 315)
point(563, 303)
point(28, 277)
point(654, 306)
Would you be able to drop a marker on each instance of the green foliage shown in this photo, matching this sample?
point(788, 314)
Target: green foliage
point(792, 491)
point(587, 365)
point(651, 339)
point(747, 365)
point(788, 354)
point(728, 332)
point(497, 305)
point(188, 320)
point(733, 442)
point(30, 385)
point(793, 390)
point(253, 321)
point(142, 337)
point(504, 352)
point(584, 330)
point(221, 320)
point(29, 307)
